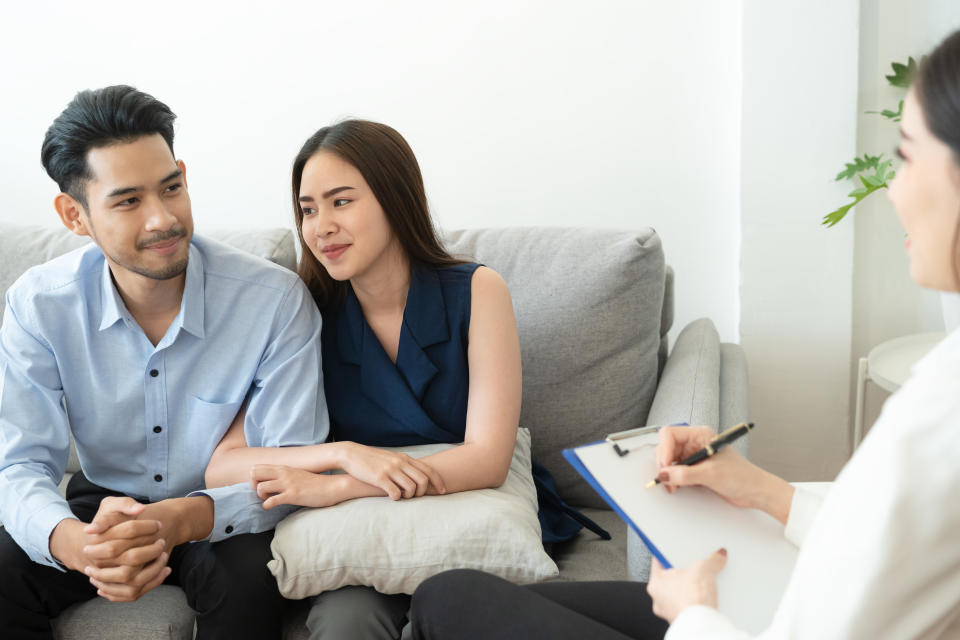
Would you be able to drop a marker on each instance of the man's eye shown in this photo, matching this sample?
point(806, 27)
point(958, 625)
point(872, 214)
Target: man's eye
point(127, 203)
point(174, 188)
point(339, 202)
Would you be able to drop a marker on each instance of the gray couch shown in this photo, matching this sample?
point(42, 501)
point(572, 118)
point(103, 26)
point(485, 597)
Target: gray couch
point(593, 309)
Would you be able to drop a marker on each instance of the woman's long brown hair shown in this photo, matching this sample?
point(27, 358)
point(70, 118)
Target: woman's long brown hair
point(388, 165)
point(937, 86)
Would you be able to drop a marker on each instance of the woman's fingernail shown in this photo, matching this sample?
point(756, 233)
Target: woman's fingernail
point(722, 552)
point(663, 476)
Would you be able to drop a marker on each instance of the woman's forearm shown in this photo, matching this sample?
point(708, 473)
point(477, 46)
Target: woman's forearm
point(471, 466)
point(232, 466)
point(775, 495)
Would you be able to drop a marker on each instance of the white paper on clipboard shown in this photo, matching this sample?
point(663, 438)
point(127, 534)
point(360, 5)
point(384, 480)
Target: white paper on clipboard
point(692, 523)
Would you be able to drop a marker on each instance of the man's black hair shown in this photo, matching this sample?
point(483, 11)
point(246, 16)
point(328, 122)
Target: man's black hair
point(99, 118)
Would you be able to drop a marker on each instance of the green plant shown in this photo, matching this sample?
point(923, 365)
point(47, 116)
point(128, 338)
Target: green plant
point(873, 172)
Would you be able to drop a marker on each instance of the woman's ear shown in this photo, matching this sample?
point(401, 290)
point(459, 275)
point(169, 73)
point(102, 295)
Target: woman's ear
point(70, 212)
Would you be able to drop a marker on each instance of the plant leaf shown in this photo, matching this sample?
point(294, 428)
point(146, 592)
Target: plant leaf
point(902, 73)
point(858, 165)
point(836, 216)
point(858, 195)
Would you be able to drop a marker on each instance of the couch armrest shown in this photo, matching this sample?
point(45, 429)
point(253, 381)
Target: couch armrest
point(734, 407)
point(703, 383)
point(689, 388)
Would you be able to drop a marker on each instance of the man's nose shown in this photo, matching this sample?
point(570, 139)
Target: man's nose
point(159, 215)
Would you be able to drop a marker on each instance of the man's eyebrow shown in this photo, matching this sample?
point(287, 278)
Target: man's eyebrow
point(122, 191)
point(173, 175)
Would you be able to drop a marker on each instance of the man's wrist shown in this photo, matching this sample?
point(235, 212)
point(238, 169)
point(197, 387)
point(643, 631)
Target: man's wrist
point(195, 517)
point(184, 519)
point(65, 542)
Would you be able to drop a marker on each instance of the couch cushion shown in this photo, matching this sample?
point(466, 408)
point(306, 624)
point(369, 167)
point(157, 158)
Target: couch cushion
point(161, 613)
point(588, 305)
point(589, 557)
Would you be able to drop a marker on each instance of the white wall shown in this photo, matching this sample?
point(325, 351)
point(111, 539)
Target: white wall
point(799, 110)
point(886, 302)
point(718, 123)
point(612, 114)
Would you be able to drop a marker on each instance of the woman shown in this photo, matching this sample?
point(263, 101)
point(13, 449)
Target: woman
point(417, 348)
point(880, 556)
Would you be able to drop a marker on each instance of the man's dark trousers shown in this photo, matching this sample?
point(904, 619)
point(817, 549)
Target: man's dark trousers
point(227, 583)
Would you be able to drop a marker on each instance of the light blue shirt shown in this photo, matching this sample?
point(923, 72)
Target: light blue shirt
point(147, 418)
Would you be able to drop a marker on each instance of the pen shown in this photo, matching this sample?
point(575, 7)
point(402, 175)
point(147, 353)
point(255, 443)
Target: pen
point(718, 442)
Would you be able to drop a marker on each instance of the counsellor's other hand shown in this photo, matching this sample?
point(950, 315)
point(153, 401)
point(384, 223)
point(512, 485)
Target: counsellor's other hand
point(673, 590)
point(398, 474)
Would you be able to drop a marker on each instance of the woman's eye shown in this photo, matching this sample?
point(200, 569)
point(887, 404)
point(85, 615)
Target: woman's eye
point(339, 202)
point(306, 210)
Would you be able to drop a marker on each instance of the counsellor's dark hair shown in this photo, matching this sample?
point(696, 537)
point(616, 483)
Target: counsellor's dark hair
point(937, 87)
point(388, 165)
point(99, 118)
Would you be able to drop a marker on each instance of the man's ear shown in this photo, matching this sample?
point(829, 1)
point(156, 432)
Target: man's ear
point(183, 169)
point(70, 212)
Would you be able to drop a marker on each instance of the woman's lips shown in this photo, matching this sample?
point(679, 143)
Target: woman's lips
point(334, 251)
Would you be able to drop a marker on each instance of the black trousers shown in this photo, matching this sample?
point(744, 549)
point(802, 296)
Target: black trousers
point(227, 583)
point(465, 604)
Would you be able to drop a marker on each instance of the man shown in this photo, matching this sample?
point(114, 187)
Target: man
point(149, 340)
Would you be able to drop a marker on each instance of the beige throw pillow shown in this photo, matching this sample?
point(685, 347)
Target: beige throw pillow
point(394, 546)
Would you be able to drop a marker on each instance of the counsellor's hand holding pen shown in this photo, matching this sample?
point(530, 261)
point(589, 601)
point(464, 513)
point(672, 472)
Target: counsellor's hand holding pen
point(727, 473)
point(732, 477)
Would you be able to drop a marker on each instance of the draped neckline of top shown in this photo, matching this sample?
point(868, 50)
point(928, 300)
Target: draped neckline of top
point(399, 387)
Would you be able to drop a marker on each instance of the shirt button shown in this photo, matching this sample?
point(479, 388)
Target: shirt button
point(154, 373)
point(158, 478)
point(157, 429)
point(229, 529)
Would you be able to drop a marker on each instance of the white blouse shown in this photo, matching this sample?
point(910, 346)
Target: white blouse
point(880, 557)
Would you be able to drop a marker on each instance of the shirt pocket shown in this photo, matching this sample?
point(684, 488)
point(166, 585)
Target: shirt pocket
point(213, 418)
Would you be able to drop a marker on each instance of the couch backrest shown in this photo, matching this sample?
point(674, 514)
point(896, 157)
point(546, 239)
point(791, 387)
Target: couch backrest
point(589, 307)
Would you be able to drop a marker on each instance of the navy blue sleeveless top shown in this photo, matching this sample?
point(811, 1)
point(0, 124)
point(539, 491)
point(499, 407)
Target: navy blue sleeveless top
point(422, 398)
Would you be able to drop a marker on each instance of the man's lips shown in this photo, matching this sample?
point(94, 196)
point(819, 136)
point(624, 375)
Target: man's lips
point(164, 247)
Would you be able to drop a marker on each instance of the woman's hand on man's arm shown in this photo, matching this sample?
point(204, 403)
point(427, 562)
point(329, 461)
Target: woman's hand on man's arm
point(279, 484)
point(396, 474)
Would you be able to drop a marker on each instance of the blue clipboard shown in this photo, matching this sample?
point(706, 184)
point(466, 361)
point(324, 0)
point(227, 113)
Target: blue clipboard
point(573, 459)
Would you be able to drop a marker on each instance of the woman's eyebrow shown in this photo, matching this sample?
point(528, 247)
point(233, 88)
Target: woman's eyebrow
point(334, 191)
